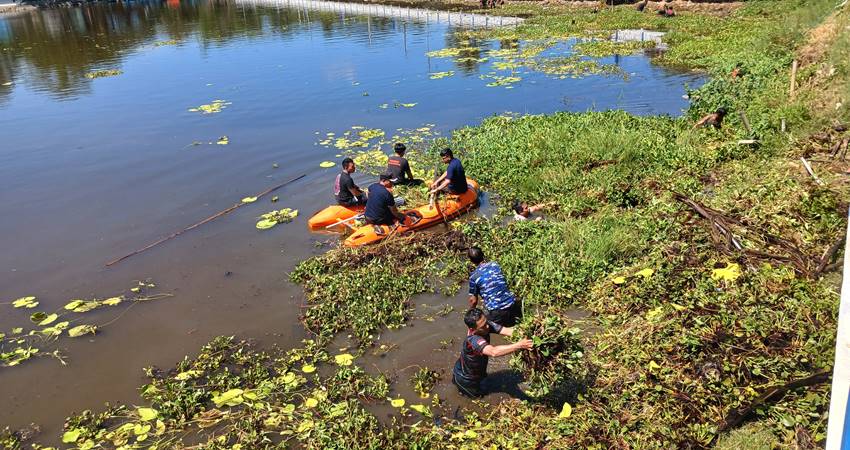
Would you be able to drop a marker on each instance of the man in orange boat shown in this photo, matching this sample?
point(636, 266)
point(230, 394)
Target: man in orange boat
point(488, 283)
point(399, 167)
point(453, 180)
point(381, 206)
point(475, 352)
point(346, 192)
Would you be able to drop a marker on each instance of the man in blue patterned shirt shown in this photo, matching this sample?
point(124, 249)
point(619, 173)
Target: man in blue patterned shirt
point(488, 283)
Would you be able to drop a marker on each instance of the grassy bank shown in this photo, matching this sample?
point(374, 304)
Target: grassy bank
point(695, 324)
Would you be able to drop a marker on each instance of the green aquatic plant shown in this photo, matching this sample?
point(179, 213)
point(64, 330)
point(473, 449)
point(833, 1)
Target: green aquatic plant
point(103, 73)
point(45, 328)
point(215, 107)
point(270, 219)
point(424, 380)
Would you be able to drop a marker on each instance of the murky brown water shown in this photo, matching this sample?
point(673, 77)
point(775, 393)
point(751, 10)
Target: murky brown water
point(91, 169)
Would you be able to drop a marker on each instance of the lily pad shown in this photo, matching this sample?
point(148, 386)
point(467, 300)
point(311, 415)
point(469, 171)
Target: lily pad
point(326, 164)
point(25, 302)
point(344, 359)
point(249, 199)
point(81, 330)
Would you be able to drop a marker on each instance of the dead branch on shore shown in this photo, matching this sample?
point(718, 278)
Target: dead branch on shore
point(776, 249)
point(773, 394)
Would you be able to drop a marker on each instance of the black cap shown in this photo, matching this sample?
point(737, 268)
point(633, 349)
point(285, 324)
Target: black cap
point(386, 176)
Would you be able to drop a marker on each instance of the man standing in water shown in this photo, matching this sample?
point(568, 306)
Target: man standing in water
point(381, 207)
point(488, 283)
point(453, 180)
point(346, 192)
point(524, 212)
point(475, 351)
point(400, 168)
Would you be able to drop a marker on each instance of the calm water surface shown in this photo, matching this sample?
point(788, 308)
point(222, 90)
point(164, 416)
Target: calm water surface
point(91, 169)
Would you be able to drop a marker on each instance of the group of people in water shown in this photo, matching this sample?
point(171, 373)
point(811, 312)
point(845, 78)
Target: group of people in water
point(493, 308)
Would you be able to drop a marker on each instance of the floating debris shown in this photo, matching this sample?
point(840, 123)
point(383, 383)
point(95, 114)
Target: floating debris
point(270, 219)
point(212, 108)
point(438, 75)
point(103, 73)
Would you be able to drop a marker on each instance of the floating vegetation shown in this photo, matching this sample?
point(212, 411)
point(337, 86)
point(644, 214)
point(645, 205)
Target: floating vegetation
point(270, 219)
point(599, 48)
point(249, 199)
point(556, 367)
point(424, 380)
point(507, 81)
point(224, 140)
point(212, 108)
point(326, 164)
point(404, 105)
point(438, 75)
point(164, 43)
point(21, 344)
point(103, 73)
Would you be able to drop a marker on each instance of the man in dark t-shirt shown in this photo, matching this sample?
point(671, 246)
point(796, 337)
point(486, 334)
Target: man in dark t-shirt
point(399, 167)
point(454, 179)
point(346, 192)
point(475, 351)
point(380, 208)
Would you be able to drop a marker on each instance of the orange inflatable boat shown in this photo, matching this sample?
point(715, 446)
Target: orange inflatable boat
point(333, 215)
point(448, 207)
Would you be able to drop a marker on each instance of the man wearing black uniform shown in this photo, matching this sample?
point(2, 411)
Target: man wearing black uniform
point(475, 351)
point(346, 192)
point(380, 208)
point(399, 168)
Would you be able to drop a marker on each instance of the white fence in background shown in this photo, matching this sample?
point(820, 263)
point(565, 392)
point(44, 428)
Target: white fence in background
point(414, 14)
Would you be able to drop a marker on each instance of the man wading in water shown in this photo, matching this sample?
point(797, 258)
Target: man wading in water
point(475, 351)
point(488, 282)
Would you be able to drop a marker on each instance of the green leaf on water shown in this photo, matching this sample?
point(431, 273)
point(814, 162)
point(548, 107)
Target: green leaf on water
point(224, 140)
point(147, 414)
point(48, 319)
point(249, 199)
point(73, 304)
point(187, 375)
point(81, 330)
point(38, 316)
point(71, 436)
point(265, 224)
point(327, 164)
point(113, 301)
point(25, 302)
point(232, 397)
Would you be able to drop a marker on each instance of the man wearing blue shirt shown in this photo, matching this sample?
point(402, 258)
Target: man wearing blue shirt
point(488, 283)
point(380, 205)
point(454, 179)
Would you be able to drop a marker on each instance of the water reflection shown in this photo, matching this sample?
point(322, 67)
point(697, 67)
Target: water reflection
point(51, 50)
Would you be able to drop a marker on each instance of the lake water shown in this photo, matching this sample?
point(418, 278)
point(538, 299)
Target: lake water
point(93, 168)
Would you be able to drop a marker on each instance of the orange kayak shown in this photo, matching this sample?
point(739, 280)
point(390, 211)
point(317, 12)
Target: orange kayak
point(333, 215)
point(425, 216)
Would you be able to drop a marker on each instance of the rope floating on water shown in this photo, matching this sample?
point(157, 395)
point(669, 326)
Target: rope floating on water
point(196, 225)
